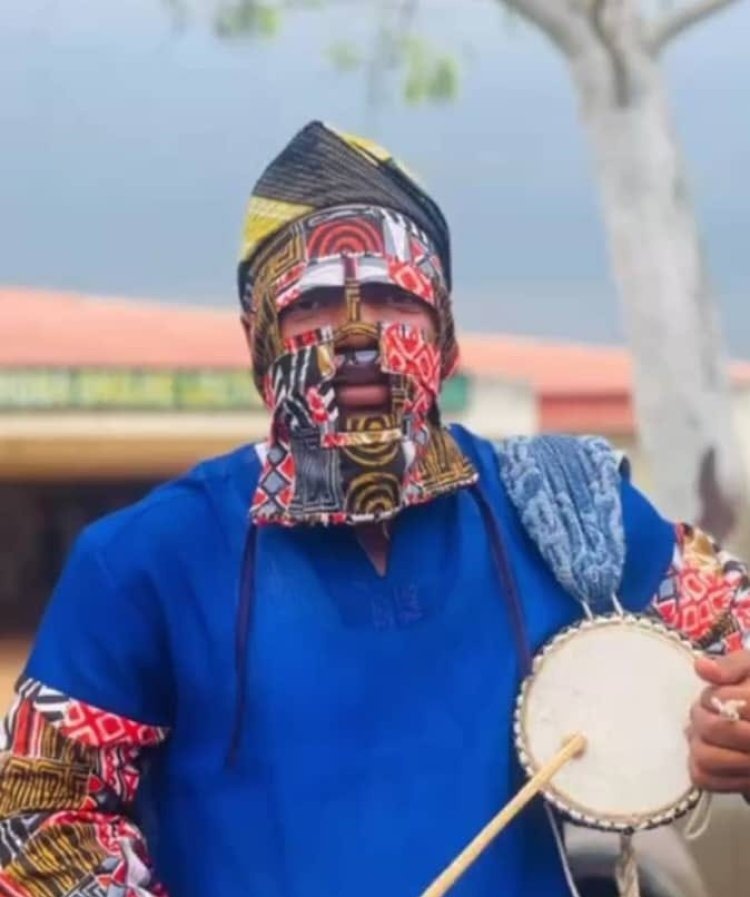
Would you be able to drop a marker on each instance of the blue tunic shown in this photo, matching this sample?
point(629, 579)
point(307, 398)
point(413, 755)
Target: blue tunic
point(376, 738)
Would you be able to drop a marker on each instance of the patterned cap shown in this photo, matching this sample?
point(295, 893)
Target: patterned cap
point(321, 169)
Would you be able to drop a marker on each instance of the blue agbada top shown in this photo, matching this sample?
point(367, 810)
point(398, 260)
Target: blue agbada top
point(376, 736)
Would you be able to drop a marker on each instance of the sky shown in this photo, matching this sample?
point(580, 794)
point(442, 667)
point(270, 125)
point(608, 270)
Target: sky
point(129, 147)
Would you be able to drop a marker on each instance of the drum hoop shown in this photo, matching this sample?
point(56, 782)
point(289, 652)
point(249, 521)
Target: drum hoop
point(623, 823)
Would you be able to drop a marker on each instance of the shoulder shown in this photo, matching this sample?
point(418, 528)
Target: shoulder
point(181, 512)
point(521, 460)
point(596, 531)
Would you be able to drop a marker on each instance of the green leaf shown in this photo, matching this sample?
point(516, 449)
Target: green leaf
point(416, 85)
point(269, 21)
point(345, 56)
point(415, 89)
point(247, 18)
point(429, 75)
point(444, 80)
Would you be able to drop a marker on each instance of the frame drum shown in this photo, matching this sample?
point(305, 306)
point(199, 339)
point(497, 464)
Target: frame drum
point(626, 683)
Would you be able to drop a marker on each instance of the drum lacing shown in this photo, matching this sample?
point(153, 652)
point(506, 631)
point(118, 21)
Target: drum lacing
point(626, 869)
point(699, 819)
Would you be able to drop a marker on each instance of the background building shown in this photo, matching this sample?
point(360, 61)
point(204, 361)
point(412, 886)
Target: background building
point(100, 400)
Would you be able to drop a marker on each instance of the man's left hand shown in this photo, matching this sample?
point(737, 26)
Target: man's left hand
point(719, 746)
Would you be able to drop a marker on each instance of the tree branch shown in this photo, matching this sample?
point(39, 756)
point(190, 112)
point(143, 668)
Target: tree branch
point(554, 17)
point(609, 25)
point(674, 23)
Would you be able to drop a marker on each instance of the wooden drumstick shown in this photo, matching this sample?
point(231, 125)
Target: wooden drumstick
point(572, 748)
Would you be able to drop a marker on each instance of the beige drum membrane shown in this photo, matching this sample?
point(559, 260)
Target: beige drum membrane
point(600, 729)
point(627, 684)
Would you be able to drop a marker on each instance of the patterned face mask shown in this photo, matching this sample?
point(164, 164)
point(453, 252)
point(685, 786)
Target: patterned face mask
point(322, 466)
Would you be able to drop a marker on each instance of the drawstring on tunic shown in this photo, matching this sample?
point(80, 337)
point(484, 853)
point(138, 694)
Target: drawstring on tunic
point(503, 568)
point(241, 638)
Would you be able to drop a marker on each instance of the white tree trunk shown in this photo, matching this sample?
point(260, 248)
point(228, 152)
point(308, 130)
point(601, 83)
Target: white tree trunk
point(682, 395)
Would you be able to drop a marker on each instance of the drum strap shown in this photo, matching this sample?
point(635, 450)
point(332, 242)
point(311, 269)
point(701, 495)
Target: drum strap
point(507, 581)
point(566, 491)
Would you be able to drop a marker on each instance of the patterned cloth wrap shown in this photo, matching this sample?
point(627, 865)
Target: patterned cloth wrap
point(374, 225)
point(566, 491)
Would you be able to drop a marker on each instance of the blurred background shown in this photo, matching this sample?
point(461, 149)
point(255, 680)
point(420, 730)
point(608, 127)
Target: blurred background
point(132, 134)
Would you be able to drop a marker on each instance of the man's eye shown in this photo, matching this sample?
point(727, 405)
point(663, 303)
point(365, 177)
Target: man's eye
point(402, 303)
point(309, 304)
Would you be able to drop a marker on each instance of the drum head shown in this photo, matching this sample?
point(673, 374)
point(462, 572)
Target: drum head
point(627, 684)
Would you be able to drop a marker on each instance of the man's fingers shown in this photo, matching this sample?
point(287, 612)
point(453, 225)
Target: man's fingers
point(715, 730)
point(728, 695)
point(729, 669)
point(719, 761)
point(720, 745)
point(718, 784)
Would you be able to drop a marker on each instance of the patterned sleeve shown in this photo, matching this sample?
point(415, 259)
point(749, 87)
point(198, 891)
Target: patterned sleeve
point(68, 777)
point(705, 594)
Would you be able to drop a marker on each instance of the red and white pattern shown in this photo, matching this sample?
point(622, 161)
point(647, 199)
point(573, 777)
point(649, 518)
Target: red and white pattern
point(76, 822)
point(407, 353)
point(320, 336)
point(96, 728)
point(706, 593)
point(409, 277)
point(286, 286)
point(321, 409)
point(276, 483)
point(288, 296)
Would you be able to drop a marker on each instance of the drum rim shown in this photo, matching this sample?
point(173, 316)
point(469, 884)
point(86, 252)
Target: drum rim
point(617, 822)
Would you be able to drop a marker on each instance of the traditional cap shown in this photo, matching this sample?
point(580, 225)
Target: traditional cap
point(321, 169)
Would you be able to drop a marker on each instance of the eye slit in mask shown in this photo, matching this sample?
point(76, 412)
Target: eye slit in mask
point(315, 300)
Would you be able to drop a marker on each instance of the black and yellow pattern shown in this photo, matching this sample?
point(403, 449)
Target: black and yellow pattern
point(322, 168)
point(68, 776)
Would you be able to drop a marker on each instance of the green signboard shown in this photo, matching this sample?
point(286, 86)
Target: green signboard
point(84, 389)
point(90, 389)
point(455, 395)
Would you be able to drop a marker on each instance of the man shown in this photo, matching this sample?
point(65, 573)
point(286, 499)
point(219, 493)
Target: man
point(317, 702)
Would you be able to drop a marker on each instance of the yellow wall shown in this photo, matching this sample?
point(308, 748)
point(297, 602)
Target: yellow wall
point(96, 445)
